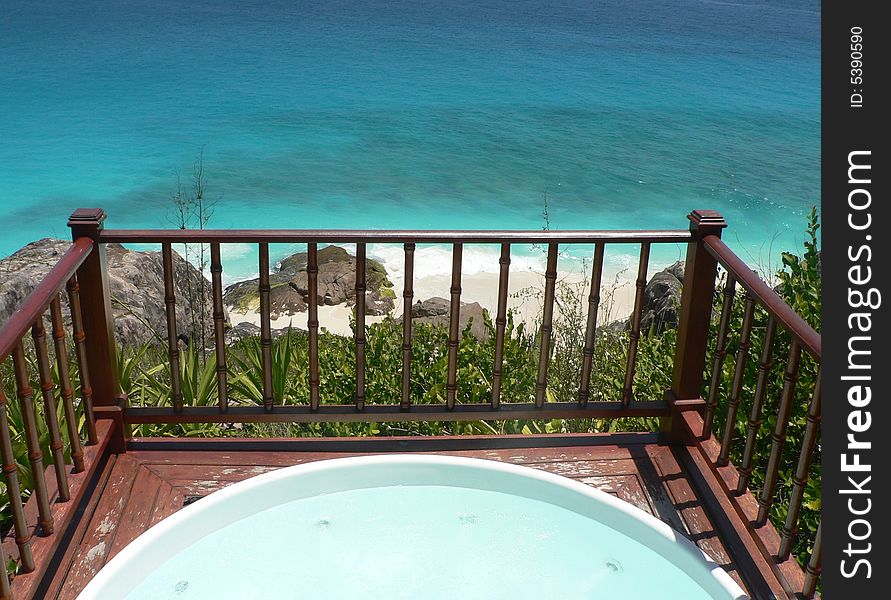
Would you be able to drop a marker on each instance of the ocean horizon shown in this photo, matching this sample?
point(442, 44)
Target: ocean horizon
point(408, 115)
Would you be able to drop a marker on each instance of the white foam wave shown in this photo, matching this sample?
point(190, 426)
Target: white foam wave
point(432, 261)
point(240, 260)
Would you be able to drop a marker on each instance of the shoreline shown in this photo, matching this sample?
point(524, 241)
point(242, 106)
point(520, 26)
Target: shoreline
point(525, 297)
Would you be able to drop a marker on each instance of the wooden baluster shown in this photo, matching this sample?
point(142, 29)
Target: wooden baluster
point(312, 273)
point(591, 327)
point(5, 590)
point(407, 296)
point(47, 391)
point(500, 323)
point(14, 490)
point(32, 438)
point(219, 327)
point(454, 317)
point(266, 329)
point(66, 391)
point(802, 471)
point(754, 425)
point(720, 354)
point(176, 390)
point(778, 438)
point(814, 566)
point(547, 323)
point(634, 338)
point(742, 355)
point(361, 288)
point(83, 370)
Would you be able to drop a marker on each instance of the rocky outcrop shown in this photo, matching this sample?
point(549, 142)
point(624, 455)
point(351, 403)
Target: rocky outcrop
point(20, 272)
point(435, 311)
point(432, 307)
point(676, 269)
point(662, 299)
point(661, 302)
point(249, 330)
point(289, 293)
point(136, 285)
point(241, 330)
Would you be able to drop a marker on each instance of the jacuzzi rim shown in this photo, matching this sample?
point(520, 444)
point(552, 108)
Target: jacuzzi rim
point(116, 568)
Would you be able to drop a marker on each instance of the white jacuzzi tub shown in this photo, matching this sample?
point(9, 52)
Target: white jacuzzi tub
point(411, 527)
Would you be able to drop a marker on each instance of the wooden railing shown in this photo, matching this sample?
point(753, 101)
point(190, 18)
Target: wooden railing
point(406, 409)
point(703, 258)
point(55, 489)
point(688, 410)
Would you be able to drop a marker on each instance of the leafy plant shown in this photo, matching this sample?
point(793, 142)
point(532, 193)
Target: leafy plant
point(247, 359)
point(198, 385)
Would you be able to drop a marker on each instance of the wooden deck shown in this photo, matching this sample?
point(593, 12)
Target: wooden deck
point(156, 478)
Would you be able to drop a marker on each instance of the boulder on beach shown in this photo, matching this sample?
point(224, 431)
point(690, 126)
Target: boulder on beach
point(435, 311)
point(662, 299)
point(136, 284)
point(289, 293)
point(244, 330)
point(432, 307)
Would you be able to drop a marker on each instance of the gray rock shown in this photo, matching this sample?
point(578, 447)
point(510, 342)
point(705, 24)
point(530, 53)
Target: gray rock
point(136, 285)
point(432, 307)
point(377, 304)
point(614, 327)
point(241, 330)
point(661, 301)
point(245, 295)
point(677, 269)
point(336, 285)
point(248, 330)
point(431, 311)
point(285, 300)
point(20, 272)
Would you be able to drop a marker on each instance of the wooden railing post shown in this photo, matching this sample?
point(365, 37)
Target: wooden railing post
point(700, 271)
point(98, 319)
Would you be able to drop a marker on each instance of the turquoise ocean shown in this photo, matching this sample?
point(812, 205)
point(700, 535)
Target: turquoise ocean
point(413, 114)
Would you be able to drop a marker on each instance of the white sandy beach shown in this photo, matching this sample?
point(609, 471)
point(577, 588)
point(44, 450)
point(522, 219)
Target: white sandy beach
point(525, 293)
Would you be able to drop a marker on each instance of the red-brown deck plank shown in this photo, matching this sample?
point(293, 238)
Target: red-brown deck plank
point(169, 500)
point(623, 487)
point(740, 511)
point(137, 514)
point(747, 507)
point(96, 543)
point(61, 575)
point(697, 525)
point(150, 485)
point(287, 458)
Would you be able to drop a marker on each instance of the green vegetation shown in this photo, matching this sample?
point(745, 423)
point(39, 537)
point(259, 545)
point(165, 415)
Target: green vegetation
point(145, 378)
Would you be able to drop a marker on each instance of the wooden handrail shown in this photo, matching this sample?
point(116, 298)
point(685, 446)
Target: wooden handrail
point(804, 338)
point(383, 236)
point(765, 296)
point(40, 297)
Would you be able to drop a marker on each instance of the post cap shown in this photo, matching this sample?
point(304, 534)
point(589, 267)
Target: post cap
point(707, 220)
point(86, 222)
point(86, 216)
